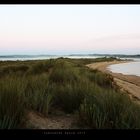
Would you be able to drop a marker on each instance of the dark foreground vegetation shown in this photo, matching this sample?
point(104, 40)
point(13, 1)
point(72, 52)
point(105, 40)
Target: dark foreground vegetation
point(66, 84)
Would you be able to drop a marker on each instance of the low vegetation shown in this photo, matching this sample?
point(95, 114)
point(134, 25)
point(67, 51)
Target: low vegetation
point(67, 84)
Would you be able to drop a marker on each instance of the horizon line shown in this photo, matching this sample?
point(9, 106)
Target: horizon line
point(66, 54)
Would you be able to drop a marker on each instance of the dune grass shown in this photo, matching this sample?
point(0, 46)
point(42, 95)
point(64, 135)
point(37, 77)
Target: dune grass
point(11, 102)
point(36, 93)
point(66, 84)
point(110, 110)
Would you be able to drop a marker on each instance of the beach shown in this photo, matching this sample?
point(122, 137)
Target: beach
point(127, 83)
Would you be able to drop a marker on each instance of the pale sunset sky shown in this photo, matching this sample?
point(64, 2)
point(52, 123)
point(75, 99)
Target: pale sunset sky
point(69, 29)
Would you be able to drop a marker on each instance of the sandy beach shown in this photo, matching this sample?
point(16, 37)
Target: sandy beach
point(128, 83)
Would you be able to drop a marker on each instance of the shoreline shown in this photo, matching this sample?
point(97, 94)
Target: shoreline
point(127, 83)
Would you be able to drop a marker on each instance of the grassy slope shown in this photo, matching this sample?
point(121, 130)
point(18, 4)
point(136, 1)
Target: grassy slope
point(67, 84)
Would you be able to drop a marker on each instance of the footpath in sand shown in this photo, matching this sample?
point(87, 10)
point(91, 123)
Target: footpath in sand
point(59, 120)
point(128, 83)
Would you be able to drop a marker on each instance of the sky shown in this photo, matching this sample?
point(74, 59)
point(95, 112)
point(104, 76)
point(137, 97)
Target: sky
point(69, 29)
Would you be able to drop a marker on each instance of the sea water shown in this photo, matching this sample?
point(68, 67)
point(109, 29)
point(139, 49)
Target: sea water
point(130, 68)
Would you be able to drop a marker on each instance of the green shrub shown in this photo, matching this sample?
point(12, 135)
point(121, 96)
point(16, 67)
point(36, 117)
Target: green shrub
point(13, 69)
point(109, 109)
point(11, 103)
point(63, 72)
point(37, 68)
point(40, 67)
point(37, 93)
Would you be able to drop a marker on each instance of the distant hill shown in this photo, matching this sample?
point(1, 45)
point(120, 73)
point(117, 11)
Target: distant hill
point(109, 55)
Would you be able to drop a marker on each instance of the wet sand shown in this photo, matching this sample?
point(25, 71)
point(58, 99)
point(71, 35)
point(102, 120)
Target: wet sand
point(128, 83)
